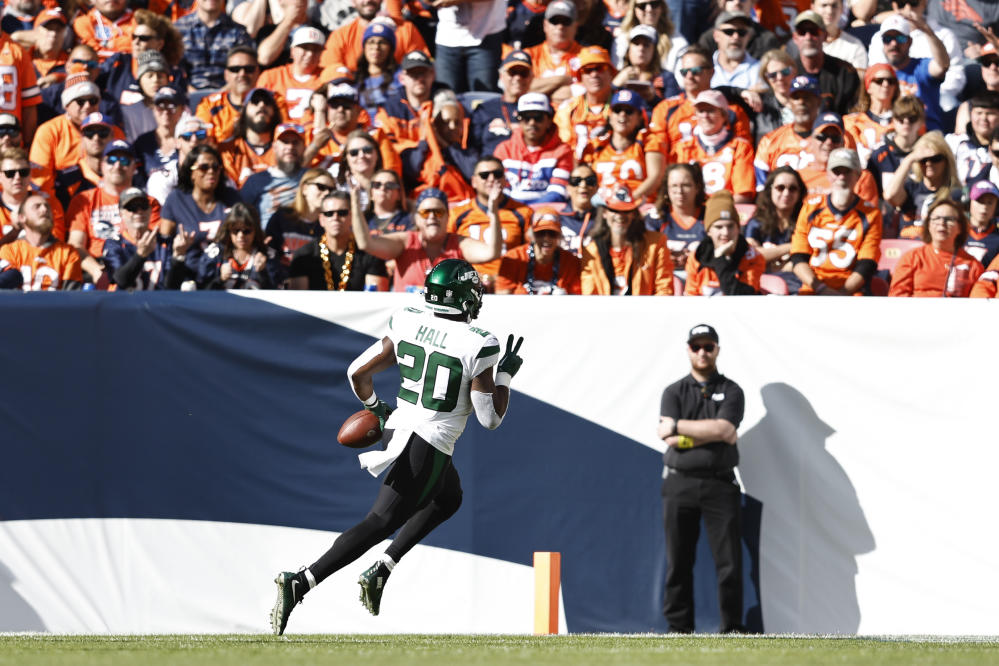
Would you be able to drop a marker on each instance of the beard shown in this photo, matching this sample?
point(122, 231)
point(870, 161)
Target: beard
point(259, 126)
point(289, 167)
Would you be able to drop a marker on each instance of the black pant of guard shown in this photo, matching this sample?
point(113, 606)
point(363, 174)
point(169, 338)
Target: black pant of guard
point(420, 491)
point(686, 499)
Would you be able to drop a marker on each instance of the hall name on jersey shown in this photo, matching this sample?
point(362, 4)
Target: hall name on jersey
point(432, 337)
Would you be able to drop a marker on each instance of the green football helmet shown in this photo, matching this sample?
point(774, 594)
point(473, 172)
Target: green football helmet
point(453, 287)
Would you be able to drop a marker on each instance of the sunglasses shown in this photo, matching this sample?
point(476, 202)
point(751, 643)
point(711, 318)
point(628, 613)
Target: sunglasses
point(695, 347)
point(89, 64)
point(835, 138)
point(933, 159)
point(322, 187)
point(137, 207)
point(732, 32)
point(432, 212)
point(99, 133)
point(498, 174)
point(786, 188)
point(123, 160)
point(647, 6)
point(560, 20)
point(367, 150)
point(84, 101)
point(339, 212)
point(242, 69)
point(143, 38)
point(989, 63)
point(23, 173)
point(898, 38)
point(576, 181)
point(341, 103)
point(246, 231)
point(386, 185)
point(995, 152)
point(773, 76)
point(166, 106)
point(696, 71)
point(883, 82)
point(9, 131)
point(198, 134)
point(810, 30)
point(627, 110)
point(206, 167)
point(531, 117)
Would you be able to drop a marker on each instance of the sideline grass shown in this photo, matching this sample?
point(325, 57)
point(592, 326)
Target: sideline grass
point(399, 650)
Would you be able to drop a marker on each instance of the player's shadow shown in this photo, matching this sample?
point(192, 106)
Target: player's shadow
point(15, 613)
point(813, 527)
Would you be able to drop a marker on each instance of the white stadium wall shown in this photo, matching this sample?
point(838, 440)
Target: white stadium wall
point(168, 454)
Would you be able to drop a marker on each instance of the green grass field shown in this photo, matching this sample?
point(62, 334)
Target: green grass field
point(403, 650)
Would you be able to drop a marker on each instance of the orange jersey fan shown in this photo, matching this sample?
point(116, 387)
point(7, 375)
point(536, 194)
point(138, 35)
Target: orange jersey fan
point(729, 168)
point(45, 268)
point(626, 166)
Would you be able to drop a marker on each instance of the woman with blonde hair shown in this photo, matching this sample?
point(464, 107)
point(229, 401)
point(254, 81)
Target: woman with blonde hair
point(669, 44)
point(941, 267)
point(119, 76)
point(927, 173)
point(777, 71)
point(292, 227)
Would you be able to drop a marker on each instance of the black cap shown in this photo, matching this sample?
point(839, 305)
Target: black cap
point(702, 331)
point(415, 59)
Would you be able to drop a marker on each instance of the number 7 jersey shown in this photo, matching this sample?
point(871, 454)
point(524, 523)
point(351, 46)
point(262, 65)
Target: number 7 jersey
point(437, 358)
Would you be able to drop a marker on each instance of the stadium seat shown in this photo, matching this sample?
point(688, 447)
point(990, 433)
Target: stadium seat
point(677, 286)
point(194, 98)
point(773, 284)
point(746, 212)
point(878, 287)
point(472, 99)
point(892, 250)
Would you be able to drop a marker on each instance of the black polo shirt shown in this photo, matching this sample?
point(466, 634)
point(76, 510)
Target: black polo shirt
point(688, 399)
point(308, 262)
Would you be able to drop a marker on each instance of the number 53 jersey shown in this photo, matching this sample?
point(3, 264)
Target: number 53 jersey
point(836, 240)
point(437, 358)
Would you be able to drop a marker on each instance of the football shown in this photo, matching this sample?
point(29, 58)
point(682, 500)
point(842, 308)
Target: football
point(360, 430)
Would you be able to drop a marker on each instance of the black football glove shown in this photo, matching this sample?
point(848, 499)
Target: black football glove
point(382, 411)
point(510, 363)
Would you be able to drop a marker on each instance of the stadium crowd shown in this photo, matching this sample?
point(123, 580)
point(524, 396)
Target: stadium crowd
point(599, 147)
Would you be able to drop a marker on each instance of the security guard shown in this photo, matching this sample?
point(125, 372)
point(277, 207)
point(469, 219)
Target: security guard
point(698, 421)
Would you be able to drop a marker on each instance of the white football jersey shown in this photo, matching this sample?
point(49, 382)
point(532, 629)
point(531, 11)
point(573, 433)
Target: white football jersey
point(437, 358)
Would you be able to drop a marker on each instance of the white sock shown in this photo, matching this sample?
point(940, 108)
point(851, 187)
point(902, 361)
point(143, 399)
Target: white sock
point(388, 562)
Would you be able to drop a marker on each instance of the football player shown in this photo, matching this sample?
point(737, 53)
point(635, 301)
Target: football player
point(421, 489)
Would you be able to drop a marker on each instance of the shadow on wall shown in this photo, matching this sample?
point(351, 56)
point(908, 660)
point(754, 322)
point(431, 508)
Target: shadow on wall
point(813, 527)
point(15, 613)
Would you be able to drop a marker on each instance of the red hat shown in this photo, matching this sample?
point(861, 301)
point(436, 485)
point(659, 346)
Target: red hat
point(987, 49)
point(546, 218)
point(874, 70)
point(47, 15)
point(618, 197)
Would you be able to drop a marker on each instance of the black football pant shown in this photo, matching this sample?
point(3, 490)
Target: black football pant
point(420, 491)
point(686, 499)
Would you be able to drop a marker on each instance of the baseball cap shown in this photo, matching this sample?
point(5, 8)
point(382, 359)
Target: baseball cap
point(642, 30)
point(191, 124)
point(827, 119)
point(517, 58)
point(380, 29)
point(341, 90)
point(151, 61)
point(618, 197)
point(443, 99)
point(844, 157)
point(130, 195)
point(169, 94)
point(256, 93)
point(805, 84)
point(415, 59)
point(732, 17)
point(96, 119)
point(10, 120)
point(119, 146)
point(546, 218)
point(874, 70)
point(594, 55)
point(809, 16)
point(305, 35)
point(626, 98)
point(713, 98)
point(534, 102)
point(987, 50)
point(46, 15)
point(981, 188)
point(702, 331)
point(561, 8)
point(284, 128)
point(720, 206)
point(895, 23)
